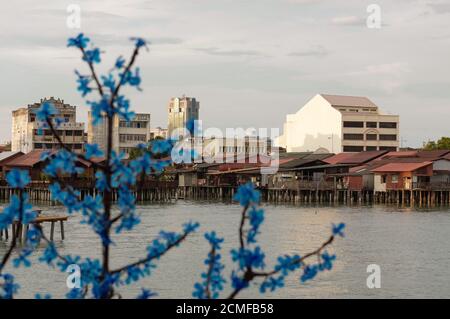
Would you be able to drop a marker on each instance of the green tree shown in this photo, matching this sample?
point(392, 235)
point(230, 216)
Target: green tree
point(442, 144)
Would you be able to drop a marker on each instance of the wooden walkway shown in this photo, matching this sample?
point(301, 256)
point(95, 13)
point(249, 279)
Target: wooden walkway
point(20, 230)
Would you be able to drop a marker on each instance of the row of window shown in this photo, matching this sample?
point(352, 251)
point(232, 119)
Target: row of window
point(370, 137)
point(133, 124)
point(132, 138)
point(60, 132)
point(358, 124)
point(369, 148)
point(241, 149)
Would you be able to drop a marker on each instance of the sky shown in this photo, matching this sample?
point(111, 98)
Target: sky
point(248, 62)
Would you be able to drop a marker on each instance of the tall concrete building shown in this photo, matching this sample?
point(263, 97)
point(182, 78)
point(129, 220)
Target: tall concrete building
point(339, 123)
point(181, 110)
point(26, 137)
point(126, 135)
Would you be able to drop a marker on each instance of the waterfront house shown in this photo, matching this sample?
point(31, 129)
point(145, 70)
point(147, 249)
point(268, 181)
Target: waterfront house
point(402, 176)
point(5, 158)
point(33, 163)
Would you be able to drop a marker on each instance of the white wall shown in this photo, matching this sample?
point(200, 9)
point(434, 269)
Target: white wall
point(316, 125)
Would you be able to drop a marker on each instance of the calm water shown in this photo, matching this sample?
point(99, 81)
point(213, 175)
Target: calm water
point(410, 246)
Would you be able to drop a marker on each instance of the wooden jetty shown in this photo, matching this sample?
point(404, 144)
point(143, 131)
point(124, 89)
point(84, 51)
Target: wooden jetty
point(19, 230)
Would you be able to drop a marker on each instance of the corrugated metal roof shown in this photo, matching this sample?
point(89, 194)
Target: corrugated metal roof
point(433, 154)
point(27, 160)
point(310, 159)
point(362, 157)
point(338, 158)
point(401, 154)
point(400, 167)
point(344, 100)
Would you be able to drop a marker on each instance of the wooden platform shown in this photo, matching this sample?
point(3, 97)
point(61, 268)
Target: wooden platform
point(20, 230)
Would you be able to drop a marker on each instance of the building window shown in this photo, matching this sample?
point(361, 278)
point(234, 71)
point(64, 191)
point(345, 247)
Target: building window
point(388, 124)
point(354, 137)
point(353, 124)
point(371, 148)
point(77, 146)
point(353, 148)
point(388, 137)
point(38, 146)
point(371, 137)
point(78, 133)
point(394, 179)
point(371, 124)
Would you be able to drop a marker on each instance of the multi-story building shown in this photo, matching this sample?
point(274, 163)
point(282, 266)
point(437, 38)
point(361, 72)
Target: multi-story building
point(181, 110)
point(159, 132)
point(233, 148)
point(339, 123)
point(26, 135)
point(126, 135)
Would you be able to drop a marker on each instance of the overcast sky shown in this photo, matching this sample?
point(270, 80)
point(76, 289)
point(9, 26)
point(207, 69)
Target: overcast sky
point(249, 62)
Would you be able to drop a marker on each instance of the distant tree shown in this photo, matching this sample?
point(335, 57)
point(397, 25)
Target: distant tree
point(442, 144)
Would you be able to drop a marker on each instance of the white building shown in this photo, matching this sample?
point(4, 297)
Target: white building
point(159, 132)
point(126, 135)
point(27, 137)
point(338, 124)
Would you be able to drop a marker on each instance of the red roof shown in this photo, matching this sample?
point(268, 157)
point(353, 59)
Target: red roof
point(27, 160)
point(433, 154)
point(354, 158)
point(400, 167)
point(400, 154)
point(335, 159)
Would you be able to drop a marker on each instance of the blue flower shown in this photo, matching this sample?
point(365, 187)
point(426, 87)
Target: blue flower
point(120, 62)
point(132, 79)
point(146, 294)
point(80, 41)
point(46, 296)
point(272, 283)
point(50, 254)
point(83, 84)
point(213, 239)
point(190, 227)
point(109, 82)
point(7, 286)
point(93, 150)
point(139, 42)
point(92, 56)
point(248, 258)
point(247, 194)
point(75, 293)
point(23, 258)
point(327, 261)
point(338, 230)
point(237, 282)
point(309, 272)
point(288, 264)
point(18, 178)
point(46, 111)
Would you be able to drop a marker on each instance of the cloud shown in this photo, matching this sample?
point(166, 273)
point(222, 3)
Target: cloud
point(348, 21)
point(219, 52)
point(315, 51)
point(440, 7)
point(396, 68)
